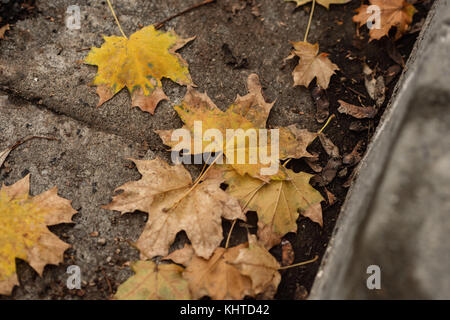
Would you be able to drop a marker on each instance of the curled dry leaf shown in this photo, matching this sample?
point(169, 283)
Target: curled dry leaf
point(354, 157)
point(330, 148)
point(325, 3)
point(139, 63)
point(277, 203)
point(154, 282)
point(322, 104)
point(330, 196)
point(312, 65)
point(24, 232)
point(3, 30)
point(248, 113)
point(374, 85)
point(287, 253)
point(393, 13)
point(356, 111)
point(164, 192)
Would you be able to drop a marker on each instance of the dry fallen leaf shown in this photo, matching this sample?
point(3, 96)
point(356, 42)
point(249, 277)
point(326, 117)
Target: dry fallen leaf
point(356, 111)
point(330, 148)
point(248, 112)
point(164, 192)
point(217, 277)
point(374, 85)
point(154, 282)
point(393, 13)
point(3, 31)
point(276, 203)
point(245, 270)
point(287, 253)
point(260, 266)
point(139, 63)
point(24, 232)
point(312, 65)
point(325, 3)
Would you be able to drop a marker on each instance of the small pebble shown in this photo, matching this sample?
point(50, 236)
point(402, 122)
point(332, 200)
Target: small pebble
point(101, 241)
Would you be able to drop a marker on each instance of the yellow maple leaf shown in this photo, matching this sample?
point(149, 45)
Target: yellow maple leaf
point(312, 65)
point(24, 233)
point(276, 203)
point(165, 192)
point(325, 3)
point(139, 63)
point(393, 13)
point(246, 113)
point(154, 282)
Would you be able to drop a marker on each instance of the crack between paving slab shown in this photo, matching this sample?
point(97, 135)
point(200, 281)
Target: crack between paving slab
point(34, 103)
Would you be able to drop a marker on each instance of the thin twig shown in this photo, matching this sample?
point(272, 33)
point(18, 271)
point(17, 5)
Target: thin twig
point(300, 263)
point(115, 17)
point(310, 20)
point(107, 281)
point(159, 25)
point(20, 142)
point(326, 124)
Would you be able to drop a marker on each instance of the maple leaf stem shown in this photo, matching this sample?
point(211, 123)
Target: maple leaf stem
point(197, 181)
point(326, 124)
point(229, 234)
point(300, 263)
point(115, 17)
point(159, 25)
point(310, 20)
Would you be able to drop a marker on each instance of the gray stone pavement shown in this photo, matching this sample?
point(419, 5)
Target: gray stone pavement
point(86, 165)
point(48, 94)
point(404, 228)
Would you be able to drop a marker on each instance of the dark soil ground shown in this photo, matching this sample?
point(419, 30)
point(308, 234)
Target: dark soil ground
point(349, 52)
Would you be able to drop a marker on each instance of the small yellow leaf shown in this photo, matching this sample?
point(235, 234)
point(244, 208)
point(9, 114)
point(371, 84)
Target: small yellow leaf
point(139, 63)
point(154, 282)
point(24, 233)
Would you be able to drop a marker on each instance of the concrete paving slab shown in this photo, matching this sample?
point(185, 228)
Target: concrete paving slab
point(86, 165)
point(396, 216)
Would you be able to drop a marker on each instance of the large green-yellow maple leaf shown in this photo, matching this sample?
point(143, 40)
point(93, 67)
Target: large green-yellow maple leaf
point(247, 113)
point(154, 282)
point(325, 3)
point(24, 233)
point(277, 203)
point(139, 63)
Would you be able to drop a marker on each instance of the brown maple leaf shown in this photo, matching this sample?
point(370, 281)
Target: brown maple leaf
point(312, 65)
point(245, 270)
point(393, 13)
point(165, 192)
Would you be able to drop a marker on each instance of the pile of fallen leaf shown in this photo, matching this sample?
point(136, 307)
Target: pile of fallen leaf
point(174, 200)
